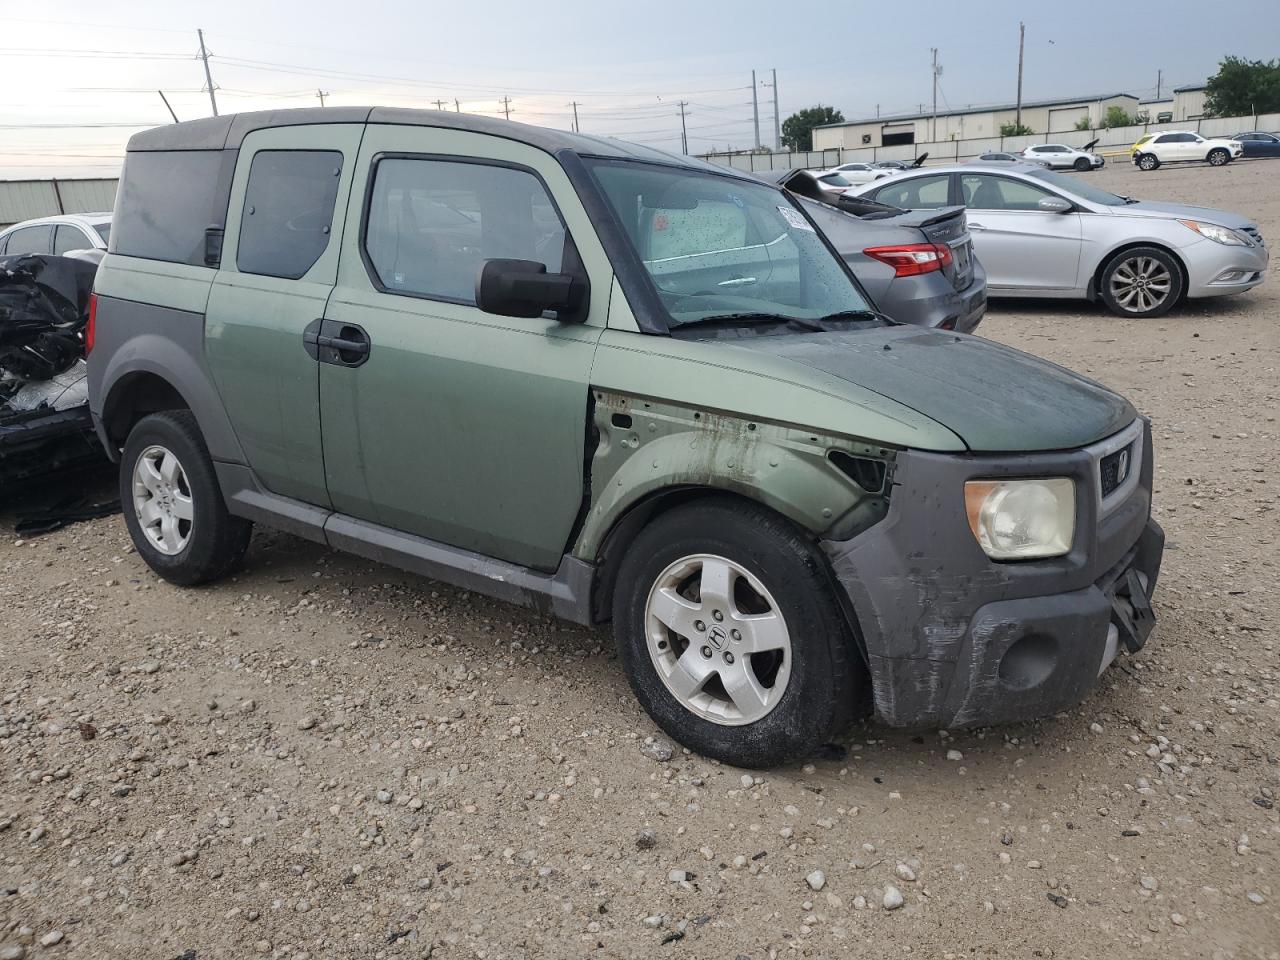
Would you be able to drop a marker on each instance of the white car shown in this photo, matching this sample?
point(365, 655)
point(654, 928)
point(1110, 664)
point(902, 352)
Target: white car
point(58, 235)
point(1183, 146)
point(860, 173)
point(1058, 156)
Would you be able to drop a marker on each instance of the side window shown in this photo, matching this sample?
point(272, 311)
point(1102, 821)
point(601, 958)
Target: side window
point(69, 238)
point(1166, 138)
point(999, 193)
point(432, 224)
point(916, 193)
point(29, 240)
point(288, 209)
point(167, 199)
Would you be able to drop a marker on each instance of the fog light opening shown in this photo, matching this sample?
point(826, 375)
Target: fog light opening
point(1029, 662)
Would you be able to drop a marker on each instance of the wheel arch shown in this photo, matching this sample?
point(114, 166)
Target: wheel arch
point(131, 397)
point(1095, 283)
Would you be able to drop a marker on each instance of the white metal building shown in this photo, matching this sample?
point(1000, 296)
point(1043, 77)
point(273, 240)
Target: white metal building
point(29, 199)
point(1188, 102)
point(1042, 116)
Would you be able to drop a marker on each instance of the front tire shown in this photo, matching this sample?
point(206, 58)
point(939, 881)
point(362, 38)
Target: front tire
point(1082, 165)
point(1142, 282)
point(172, 503)
point(732, 637)
point(1148, 161)
point(1218, 157)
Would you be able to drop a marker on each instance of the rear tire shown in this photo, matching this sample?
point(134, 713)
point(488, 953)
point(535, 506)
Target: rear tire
point(1218, 157)
point(762, 668)
point(1081, 164)
point(1148, 161)
point(1142, 282)
point(173, 505)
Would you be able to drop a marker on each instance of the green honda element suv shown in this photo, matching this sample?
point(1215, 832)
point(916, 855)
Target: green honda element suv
point(618, 386)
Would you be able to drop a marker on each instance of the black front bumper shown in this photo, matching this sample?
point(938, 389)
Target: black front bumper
point(954, 639)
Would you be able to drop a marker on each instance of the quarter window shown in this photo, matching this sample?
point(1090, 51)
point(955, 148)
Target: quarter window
point(168, 199)
point(433, 223)
point(916, 193)
point(288, 211)
point(999, 193)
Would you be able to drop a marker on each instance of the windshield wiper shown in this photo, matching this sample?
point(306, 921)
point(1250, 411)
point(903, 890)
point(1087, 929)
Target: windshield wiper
point(753, 318)
point(851, 315)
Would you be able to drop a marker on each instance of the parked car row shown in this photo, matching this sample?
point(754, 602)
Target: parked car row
point(623, 387)
point(1040, 233)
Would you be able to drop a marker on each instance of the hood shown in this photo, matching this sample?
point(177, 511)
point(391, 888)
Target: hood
point(994, 398)
point(1184, 211)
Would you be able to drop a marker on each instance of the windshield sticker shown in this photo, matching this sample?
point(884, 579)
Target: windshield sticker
point(794, 218)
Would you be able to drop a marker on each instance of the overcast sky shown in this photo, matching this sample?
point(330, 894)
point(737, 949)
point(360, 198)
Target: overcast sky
point(628, 65)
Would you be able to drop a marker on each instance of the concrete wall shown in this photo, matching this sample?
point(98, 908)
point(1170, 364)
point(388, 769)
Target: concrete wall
point(1114, 142)
point(29, 199)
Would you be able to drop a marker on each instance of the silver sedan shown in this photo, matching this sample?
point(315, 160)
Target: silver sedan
point(1046, 234)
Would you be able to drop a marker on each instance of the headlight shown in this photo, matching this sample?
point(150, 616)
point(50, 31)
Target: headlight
point(1022, 519)
point(1211, 231)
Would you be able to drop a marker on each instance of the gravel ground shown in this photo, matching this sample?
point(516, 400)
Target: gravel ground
point(326, 758)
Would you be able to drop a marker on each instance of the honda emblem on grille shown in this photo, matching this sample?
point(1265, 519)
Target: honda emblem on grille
point(1122, 467)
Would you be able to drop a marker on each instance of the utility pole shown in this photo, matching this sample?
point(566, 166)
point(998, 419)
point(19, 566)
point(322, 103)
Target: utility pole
point(166, 103)
point(934, 135)
point(439, 104)
point(457, 107)
point(321, 94)
point(684, 136)
point(204, 55)
point(506, 107)
point(777, 121)
point(755, 107)
point(1159, 79)
point(576, 128)
point(1022, 35)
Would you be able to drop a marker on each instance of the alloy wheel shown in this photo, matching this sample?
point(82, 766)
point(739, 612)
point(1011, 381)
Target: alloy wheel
point(162, 500)
point(718, 640)
point(1140, 284)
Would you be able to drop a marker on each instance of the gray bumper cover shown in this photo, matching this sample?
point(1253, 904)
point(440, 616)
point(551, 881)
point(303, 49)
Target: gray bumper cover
point(939, 619)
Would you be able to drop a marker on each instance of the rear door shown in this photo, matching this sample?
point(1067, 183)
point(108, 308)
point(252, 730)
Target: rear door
point(279, 262)
point(1023, 248)
point(452, 424)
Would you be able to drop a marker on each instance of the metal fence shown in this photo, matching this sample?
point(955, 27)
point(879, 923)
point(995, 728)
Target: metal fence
point(28, 199)
point(1113, 140)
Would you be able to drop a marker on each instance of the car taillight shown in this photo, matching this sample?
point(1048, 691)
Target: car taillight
point(91, 327)
point(912, 259)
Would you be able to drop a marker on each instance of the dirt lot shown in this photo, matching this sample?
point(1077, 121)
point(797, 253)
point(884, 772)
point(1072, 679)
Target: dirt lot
point(326, 758)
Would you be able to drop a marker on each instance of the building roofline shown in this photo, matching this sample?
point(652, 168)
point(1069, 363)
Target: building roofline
point(996, 108)
point(1189, 88)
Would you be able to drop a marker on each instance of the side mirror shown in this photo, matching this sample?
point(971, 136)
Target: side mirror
point(523, 288)
point(1055, 205)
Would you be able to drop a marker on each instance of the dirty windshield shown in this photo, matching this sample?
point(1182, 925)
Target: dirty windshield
point(720, 248)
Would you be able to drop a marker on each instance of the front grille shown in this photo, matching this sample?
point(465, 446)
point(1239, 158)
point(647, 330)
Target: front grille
point(1115, 468)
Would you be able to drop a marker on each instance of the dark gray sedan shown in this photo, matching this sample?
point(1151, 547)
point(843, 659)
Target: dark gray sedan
point(917, 265)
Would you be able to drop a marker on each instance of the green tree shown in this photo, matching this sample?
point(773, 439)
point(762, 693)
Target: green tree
point(797, 129)
point(1117, 117)
point(1084, 123)
point(1242, 87)
point(1015, 130)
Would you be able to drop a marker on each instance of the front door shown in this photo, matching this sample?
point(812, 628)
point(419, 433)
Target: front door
point(1023, 248)
point(279, 263)
point(449, 423)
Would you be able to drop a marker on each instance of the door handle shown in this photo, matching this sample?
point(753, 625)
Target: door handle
point(342, 344)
